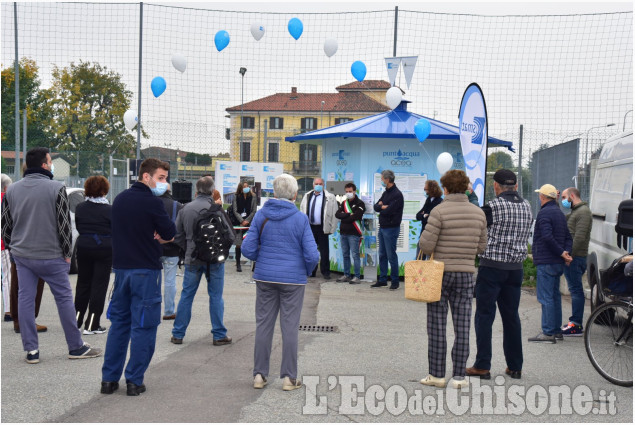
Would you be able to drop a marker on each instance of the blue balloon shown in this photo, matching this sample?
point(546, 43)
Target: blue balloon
point(422, 129)
point(295, 27)
point(221, 40)
point(158, 86)
point(358, 69)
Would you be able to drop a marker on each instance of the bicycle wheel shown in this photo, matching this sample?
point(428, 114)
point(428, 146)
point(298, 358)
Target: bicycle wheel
point(608, 339)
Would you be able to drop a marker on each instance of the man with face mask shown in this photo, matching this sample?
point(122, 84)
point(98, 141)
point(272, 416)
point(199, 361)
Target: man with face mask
point(321, 206)
point(579, 222)
point(140, 225)
point(36, 226)
point(350, 213)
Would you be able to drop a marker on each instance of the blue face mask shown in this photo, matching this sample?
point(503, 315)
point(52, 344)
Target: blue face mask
point(383, 183)
point(566, 203)
point(318, 188)
point(159, 189)
point(246, 190)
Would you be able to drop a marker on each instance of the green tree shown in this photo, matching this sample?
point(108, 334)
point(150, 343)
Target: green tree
point(198, 159)
point(31, 98)
point(86, 103)
point(498, 160)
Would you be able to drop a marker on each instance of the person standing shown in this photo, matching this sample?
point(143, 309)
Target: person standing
point(94, 254)
point(6, 262)
point(390, 209)
point(195, 269)
point(36, 225)
point(550, 250)
point(579, 222)
point(170, 258)
point(244, 208)
point(282, 244)
point(350, 213)
point(500, 276)
point(320, 206)
point(433, 193)
point(139, 226)
point(456, 232)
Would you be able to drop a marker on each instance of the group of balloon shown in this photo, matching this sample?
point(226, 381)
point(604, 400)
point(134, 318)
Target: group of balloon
point(221, 40)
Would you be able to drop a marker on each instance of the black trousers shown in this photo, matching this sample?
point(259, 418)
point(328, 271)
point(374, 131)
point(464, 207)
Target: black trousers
point(322, 242)
point(93, 276)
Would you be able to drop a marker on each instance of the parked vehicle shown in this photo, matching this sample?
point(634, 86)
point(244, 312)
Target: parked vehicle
point(613, 183)
point(75, 196)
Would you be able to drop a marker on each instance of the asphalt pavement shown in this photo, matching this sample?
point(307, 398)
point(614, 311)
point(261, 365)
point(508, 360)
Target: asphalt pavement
point(366, 371)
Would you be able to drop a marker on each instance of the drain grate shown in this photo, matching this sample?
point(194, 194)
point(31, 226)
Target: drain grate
point(318, 328)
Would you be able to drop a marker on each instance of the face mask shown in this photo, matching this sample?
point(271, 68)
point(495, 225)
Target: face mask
point(318, 188)
point(467, 192)
point(246, 190)
point(350, 195)
point(160, 189)
point(566, 203)
point(383, 183)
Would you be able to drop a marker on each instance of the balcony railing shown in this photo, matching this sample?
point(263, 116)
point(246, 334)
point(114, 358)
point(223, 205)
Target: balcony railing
point(307, 166)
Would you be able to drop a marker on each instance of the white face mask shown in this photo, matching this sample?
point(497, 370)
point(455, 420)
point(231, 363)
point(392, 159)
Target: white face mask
point(350, 195)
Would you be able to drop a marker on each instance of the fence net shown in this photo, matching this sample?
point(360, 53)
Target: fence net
point(561, 77)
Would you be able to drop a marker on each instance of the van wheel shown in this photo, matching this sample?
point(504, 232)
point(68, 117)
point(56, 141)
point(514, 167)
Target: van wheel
point(73, 269)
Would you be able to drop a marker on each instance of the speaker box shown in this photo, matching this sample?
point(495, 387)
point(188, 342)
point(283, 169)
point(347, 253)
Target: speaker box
point(182, 191)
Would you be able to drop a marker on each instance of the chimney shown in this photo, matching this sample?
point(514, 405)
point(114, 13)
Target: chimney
point(294, 89)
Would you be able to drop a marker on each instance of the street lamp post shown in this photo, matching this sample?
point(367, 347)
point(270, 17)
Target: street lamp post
point(624, 126)
point(242, 87)
point(586, 152)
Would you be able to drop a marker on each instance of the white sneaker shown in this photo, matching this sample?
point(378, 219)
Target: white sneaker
point(433, 381)
point(289, 384)
point(259, 381)
point(460, 383)
point(87, 332)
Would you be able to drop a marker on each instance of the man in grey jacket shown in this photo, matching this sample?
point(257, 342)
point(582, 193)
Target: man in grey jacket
point(194, 269)
point(36, 225)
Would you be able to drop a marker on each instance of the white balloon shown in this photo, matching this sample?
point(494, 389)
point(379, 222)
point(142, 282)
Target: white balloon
point(393, 97)
point(179, 62)
point(130, 119)
point(330, 46)
point(257, 30)
point(444, 162)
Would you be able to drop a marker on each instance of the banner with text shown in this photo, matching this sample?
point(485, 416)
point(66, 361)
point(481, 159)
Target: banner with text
point(473, 134)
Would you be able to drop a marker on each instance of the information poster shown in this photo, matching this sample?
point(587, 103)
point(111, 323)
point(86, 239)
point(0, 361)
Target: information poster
point(411, 186)
point(229, 174)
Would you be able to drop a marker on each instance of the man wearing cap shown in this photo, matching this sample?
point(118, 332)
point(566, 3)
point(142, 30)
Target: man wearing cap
point(500, 276)
point(551, 246)
point(579, 222)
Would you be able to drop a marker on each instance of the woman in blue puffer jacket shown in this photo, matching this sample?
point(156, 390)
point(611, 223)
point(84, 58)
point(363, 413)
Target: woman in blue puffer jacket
point(282, 244)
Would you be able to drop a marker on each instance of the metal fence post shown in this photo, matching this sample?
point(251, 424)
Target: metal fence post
point(16, 70)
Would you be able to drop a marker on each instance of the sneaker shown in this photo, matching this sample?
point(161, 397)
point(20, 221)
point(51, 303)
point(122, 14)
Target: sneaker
point(289, 384)
point(571, 329)
point(344, 278)
point(259, 381)
point(7, 317)
point(85, 352)
point(33, 357)
point(549, 339)
point(99, 330)
point(460, 383)
point(394, 287)
point(355, 281)
point(87, 332)
point(379, 284)
point(433, 381)
point(559, 337)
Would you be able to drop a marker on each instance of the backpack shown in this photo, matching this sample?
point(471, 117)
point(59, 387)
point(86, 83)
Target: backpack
point(213, 236)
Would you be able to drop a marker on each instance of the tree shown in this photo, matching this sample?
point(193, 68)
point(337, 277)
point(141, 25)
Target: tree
point(86, 104)
point(31, 98)
point(498, 160)
point(198, 159)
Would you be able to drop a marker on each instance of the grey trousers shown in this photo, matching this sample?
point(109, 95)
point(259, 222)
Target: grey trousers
point(272, 298)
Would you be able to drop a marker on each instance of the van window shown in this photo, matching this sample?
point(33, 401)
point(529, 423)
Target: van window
point(607, 192)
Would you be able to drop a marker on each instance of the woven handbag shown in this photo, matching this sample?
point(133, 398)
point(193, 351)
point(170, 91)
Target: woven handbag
point(423, 279)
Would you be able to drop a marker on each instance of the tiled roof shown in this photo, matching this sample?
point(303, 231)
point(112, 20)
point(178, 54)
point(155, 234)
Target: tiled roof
point(365, 85)
point(304, 102)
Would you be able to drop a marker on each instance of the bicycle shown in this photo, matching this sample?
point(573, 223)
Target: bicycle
point(608, 340)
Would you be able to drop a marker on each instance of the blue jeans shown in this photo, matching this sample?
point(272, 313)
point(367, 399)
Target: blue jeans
point(548, 293)
point(134, 313)
point(170, 265)
point(573, 274)
point(350, 243)
point(388, 253)
point(215, 283)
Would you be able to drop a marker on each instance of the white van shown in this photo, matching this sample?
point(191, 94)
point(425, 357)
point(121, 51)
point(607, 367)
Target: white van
point(613, 183)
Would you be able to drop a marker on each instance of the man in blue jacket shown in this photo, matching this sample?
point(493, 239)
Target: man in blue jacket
point(139, 226)
point(551, 246)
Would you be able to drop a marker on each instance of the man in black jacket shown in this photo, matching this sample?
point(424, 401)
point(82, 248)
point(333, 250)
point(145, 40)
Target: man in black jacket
point(170, 258)
point(350, 213)
point(390, 209)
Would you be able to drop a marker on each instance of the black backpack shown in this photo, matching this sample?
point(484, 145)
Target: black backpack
point(213, 236)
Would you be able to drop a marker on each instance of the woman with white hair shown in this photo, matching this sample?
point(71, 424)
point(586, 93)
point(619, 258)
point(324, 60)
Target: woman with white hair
point(282, 244)
point(6, 262)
